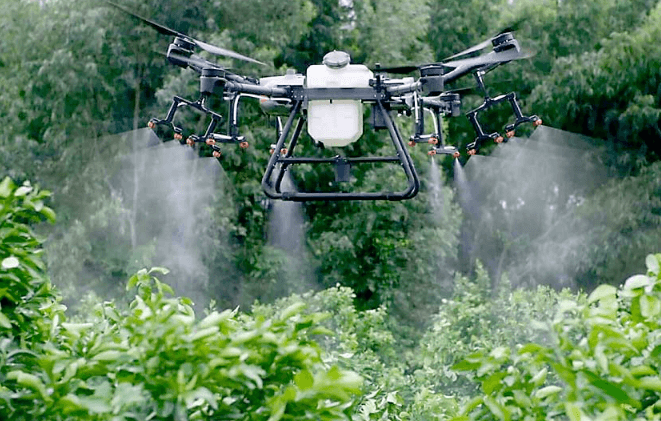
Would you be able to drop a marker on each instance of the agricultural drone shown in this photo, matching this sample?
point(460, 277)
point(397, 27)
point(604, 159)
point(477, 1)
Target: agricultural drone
point(329, 101)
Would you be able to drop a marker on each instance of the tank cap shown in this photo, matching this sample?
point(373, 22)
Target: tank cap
point(336, 59)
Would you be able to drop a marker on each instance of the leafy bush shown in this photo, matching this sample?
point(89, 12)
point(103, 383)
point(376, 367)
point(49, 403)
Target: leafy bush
point(602, 361)
point(154, 360)
point(479, 317)
point(24, 288)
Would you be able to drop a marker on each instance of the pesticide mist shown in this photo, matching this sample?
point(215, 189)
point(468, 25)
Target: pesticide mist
point(153, 206)
point(522, 196)
point(171, 192)
point(287, 234)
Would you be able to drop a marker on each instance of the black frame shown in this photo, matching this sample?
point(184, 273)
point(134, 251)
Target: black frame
point(273, 188)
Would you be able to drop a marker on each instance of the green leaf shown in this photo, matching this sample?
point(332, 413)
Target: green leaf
point(292, 310)
point(4, 321)
point(95, 404)
point(642, 370)
point(499, 411)
point(304, 380)
point(29, 381)
point(321, 330)
point(278, 410)
point(255, 374)
point(539, 378)
point(395, 399)
point(652, 263)
point(602, 292)
point(133, 281)
point(48, 213)
point(472, 404)
point(547, 391)
point(201, 393)
point(574, 412)
point(531, 348)
point(611, 389)
point(10, 262)
point(22, 191)
point(651, 383)
point(158, 269)
point(6, 187)
point(492, 382)
point(69, 403)
point(110, 355)
point(636, 282)
point(650, 306)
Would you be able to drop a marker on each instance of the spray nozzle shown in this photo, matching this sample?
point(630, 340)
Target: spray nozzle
point(444, 150)
point(178, 134)
point(192, 139)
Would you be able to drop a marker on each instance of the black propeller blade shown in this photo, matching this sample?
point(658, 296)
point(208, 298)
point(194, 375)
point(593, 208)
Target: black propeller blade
point(203, 45)
point(195, 62)
point(493, 58)
point(484, 44)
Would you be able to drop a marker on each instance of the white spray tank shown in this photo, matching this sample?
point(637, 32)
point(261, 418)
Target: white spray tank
point(336, 122)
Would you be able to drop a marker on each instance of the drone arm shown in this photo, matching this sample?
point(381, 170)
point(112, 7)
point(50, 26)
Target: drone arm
point(404, 89)
point(457, 73)
point(272, 91)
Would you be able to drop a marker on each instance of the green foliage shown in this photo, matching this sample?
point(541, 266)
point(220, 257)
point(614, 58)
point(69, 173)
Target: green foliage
point(601, 360)
point(153, 360)
point(610, 92)
point(25, 291)
point(479, 317)
point(363, 341)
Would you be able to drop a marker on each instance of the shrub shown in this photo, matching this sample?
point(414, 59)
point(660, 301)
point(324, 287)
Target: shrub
point(154, 360)
point(602, 361)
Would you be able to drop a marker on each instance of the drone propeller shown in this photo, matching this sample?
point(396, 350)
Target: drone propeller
point(195, 62)
point(484, 44)
point(203, 45)
point(491, 59)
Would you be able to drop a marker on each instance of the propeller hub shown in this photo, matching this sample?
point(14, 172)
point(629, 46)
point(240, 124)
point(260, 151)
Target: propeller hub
point(212, 72)
point(184, 44)
point(432, 70)
point(504, 42)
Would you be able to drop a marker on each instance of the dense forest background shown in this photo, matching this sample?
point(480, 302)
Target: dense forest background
point(521, 233)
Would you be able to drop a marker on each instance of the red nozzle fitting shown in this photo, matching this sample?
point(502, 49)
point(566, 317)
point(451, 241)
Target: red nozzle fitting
point(431, 153)
point(498, 139)
point(472, 152)
point(210, 141)
point(190, 142)
point(510, 134)
point(538, 122)
point(151, 125)
point(433, 140)
point(412, 143)
point(283, 151)
point(216, 154)
point(178, 136)
point(456, 154)
point(243, 145)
